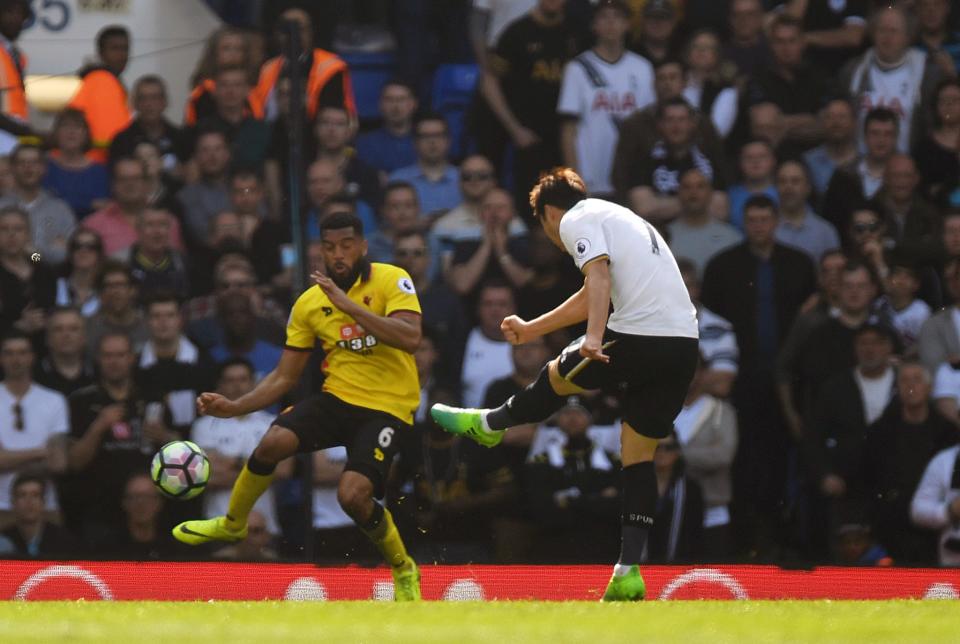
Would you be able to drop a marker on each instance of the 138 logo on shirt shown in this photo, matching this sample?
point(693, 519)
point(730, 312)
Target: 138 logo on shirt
point(355, 338)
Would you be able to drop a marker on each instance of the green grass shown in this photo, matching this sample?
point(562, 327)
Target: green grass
point(492, 623)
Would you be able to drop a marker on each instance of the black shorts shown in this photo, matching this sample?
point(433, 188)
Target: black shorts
point(650, 376)
point(370, 436)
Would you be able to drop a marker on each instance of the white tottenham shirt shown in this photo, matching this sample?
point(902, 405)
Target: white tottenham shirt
point(647, 291)
point(600, 95)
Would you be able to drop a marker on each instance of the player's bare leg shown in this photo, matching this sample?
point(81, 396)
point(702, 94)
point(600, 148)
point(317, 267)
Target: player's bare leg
point(254, 479)
point(533, 404)
point(639, 504)
point(355, 495)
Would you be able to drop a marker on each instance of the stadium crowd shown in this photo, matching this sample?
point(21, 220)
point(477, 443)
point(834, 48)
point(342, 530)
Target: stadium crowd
point(802, 158)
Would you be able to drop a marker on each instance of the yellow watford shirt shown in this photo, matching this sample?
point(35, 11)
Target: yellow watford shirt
point(360, 370)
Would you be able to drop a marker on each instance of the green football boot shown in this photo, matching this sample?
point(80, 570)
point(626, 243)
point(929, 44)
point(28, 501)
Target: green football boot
point(465, 422)
point(406, 582)
point(202, 531)
point(626, 588)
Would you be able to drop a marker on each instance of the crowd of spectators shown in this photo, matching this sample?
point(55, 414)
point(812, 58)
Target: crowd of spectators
point(802, 158)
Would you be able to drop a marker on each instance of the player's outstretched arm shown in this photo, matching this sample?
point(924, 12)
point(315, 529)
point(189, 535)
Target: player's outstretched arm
point(268, 391)
point(572, 311)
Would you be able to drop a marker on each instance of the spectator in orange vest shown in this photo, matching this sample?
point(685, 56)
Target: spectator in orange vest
point(246, 132)
point(102, 97)
point(326, 76)
point(13, 64)
point(226, 47)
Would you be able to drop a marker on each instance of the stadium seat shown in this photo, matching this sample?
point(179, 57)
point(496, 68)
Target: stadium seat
point(369, 72)
point(453, 90)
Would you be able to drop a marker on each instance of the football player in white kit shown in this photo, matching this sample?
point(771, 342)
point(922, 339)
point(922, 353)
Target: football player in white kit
point(645, 353)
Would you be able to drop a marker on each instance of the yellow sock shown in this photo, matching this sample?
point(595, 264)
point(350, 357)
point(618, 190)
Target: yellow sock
point(387, 539)
point(246, 491)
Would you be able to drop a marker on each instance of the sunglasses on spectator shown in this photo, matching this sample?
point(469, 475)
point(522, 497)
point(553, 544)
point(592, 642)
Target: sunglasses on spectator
point(866, 228)
point(410, 252)
point(18, 417)
point(476, 176)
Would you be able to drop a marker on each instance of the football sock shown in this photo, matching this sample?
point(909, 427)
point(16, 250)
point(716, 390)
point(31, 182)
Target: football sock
point(381, 530)
point(639, 506)
point(254, 479)
point(531, 405)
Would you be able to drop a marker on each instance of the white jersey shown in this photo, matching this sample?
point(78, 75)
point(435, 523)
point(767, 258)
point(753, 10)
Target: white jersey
point(600, 95)
point(647, 291)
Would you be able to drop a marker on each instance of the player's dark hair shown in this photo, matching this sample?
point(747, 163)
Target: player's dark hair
point(111, 31)
point(340, 220)
point(561, 188)
point(761, 202)
point(161, 296)
point(13, 335)
point(24, 478)
point(881, 115)
point(236, 361)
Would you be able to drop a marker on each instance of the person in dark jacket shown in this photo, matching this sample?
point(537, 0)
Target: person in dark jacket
point(896, 452)
point(677, 534)
point(31, 534)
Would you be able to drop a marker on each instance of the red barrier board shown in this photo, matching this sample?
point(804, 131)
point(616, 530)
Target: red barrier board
point(113, 580)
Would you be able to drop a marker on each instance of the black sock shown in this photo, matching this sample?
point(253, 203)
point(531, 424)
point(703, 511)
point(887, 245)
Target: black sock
point(260, 468)
point(639, 506)
point(375, 518)
point(531, 405)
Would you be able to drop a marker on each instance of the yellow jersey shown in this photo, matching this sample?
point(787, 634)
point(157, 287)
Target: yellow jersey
point(360, 370)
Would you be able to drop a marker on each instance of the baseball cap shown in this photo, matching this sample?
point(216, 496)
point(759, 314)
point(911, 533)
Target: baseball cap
point(659, 9)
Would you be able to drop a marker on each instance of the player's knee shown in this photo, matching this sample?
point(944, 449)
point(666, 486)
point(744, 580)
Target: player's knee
point(560, 385)
point(277, 444)
point(354, 493)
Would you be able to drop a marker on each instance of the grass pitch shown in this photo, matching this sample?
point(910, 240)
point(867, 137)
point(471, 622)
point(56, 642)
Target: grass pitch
point(490, 623)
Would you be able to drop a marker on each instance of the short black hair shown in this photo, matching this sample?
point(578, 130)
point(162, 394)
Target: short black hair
point(400, 185)
point(243, 172)
point(29, 476)
point(161, 296)
point(560, 187)
point(13, 335)
point(22, 147)
point(235, 361)
point(881, 115)
point(340, 220)
point(882, 330)
point(399, 82)
point(111, 31)
point(761, 202)
point(15, 210)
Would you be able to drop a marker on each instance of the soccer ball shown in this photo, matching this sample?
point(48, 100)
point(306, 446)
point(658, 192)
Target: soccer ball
point(180, 470)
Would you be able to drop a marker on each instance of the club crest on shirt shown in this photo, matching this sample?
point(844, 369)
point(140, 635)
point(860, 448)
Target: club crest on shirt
point(582, 247)
point(405, 284)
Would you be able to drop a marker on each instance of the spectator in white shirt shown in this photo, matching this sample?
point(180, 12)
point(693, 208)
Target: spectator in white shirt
point(936, 503)
point(487, 355)
point(33, 421)
point(601, 87)
point(706, 89)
